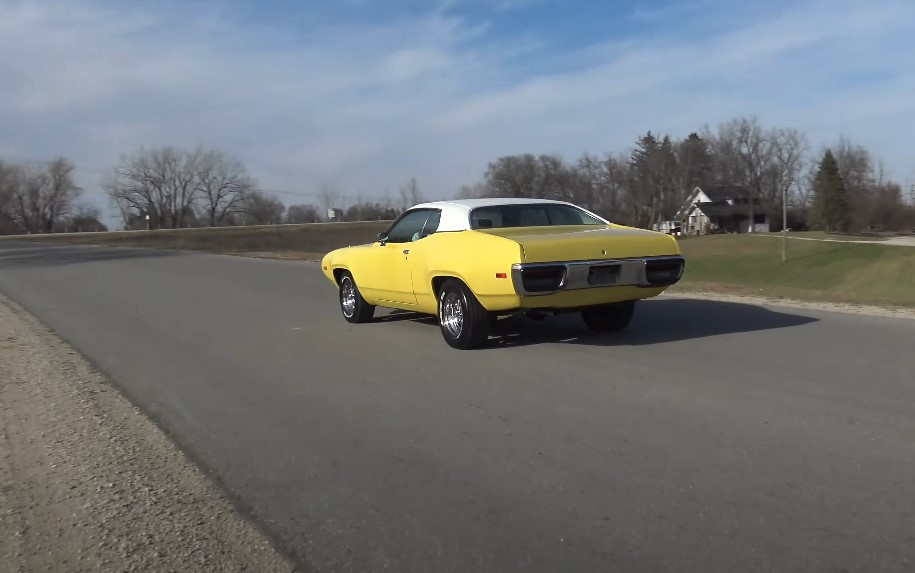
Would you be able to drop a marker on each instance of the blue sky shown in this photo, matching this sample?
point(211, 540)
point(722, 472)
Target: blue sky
point(364, 94)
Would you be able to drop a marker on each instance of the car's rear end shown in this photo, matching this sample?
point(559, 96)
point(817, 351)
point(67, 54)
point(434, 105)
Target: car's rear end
point(585, 265)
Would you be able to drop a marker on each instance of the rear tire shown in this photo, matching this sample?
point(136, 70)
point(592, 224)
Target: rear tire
point(352, 305)
point(464, 323)
point(610, 317)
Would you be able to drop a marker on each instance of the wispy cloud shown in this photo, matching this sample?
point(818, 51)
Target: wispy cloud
point(376, 92)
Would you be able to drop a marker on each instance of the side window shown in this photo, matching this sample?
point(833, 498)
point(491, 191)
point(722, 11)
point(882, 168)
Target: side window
point(410, 224)
point(560, 216)
point(432, 224)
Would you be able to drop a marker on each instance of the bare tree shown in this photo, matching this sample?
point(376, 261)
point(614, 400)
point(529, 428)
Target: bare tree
point(224, 182)
point(410, 194)
point(172, 186)
point(42, 197)
point(743, 155)
point(887, 209)
point(789, 148)
point(513, 176)
point(370, 211)
point(614, 188)
point(754, 153)
point(475, 191)
point(152, 183)
point(298, 214)
point(85, 218)
point(262, 209)
point(9, 182)
point(328, 197)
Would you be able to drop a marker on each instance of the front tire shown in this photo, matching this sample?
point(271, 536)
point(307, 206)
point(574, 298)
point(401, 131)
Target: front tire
point(610, 317)
point(464, 323)
point(352, 305)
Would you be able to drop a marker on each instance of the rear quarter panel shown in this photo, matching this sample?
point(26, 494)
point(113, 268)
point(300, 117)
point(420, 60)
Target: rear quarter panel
point(473, 257)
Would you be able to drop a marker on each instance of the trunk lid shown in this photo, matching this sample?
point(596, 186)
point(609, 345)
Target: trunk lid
point(580, 243)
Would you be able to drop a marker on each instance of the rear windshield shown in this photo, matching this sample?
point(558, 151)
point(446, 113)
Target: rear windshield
point(529, 215)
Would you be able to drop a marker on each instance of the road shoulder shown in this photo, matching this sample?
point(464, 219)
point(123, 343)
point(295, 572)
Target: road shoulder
point(88, 483)
point(847, 308)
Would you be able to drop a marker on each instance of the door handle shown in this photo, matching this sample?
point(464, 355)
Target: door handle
point(406, 251)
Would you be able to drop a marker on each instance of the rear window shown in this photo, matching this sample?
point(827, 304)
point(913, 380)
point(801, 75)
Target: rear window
point(531, 215)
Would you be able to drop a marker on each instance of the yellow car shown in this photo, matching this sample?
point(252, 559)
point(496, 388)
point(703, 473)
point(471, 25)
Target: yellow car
point(469, 261)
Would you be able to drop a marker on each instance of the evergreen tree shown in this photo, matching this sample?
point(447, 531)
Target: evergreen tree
point(830, 200)
point(644, 190)
point(695, 163)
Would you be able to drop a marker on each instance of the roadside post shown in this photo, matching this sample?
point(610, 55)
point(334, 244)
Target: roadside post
point(785, 225)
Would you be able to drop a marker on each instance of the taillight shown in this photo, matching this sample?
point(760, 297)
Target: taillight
point(542, 279)
point(663, 272)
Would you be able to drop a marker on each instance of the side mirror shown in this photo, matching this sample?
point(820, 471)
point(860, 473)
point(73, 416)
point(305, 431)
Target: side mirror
point(382, 237)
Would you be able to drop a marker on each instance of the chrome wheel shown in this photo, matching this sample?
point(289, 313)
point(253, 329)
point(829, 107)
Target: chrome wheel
point(348, 297)
point(355, 309)
point(463, 321)
point(452, 314)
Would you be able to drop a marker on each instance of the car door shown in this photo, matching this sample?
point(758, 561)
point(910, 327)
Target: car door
point(391, 278)
point(418, 252)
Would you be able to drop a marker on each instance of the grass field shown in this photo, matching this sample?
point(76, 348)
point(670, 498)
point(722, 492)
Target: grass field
point(815, 271)
point(738, 264)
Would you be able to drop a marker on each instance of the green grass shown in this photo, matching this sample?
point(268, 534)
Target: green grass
point(738, 264)
point(816, 271)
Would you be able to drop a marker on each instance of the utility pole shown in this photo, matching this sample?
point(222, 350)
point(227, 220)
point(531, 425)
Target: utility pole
point(785, 225)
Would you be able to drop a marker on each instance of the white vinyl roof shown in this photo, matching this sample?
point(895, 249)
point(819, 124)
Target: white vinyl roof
point(456, 212)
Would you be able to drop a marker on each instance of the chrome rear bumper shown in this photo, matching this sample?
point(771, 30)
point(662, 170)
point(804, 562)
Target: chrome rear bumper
point(536, 279)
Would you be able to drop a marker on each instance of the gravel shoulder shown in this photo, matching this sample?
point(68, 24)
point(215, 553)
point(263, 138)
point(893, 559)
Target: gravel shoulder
point(88, 483)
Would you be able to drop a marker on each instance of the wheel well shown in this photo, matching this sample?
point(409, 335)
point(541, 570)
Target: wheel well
point(438, 281)
point(338, 275)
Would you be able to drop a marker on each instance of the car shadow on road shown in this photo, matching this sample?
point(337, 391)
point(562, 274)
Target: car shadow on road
point(21, 254)
point(655, 322)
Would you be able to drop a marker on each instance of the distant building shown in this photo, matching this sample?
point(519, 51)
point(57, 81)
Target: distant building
point(722, 209)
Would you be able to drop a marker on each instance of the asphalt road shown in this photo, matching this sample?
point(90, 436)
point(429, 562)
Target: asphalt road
point(708, 437)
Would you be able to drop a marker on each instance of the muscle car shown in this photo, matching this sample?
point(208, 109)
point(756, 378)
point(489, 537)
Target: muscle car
point(468, 262)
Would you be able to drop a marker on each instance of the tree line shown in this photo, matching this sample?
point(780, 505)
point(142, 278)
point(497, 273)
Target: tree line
point(43, 198)
point(168, 188)
point(839, 188)
point(650, 182)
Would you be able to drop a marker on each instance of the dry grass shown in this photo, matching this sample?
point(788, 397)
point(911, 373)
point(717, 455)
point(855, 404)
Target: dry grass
point(279, 241)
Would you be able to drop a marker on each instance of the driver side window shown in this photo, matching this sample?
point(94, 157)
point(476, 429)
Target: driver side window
point(407, 227)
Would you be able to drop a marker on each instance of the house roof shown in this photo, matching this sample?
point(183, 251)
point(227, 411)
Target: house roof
point(716, 194)
point(721, 192)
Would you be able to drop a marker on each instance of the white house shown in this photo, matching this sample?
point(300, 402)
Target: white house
point(722, 209)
